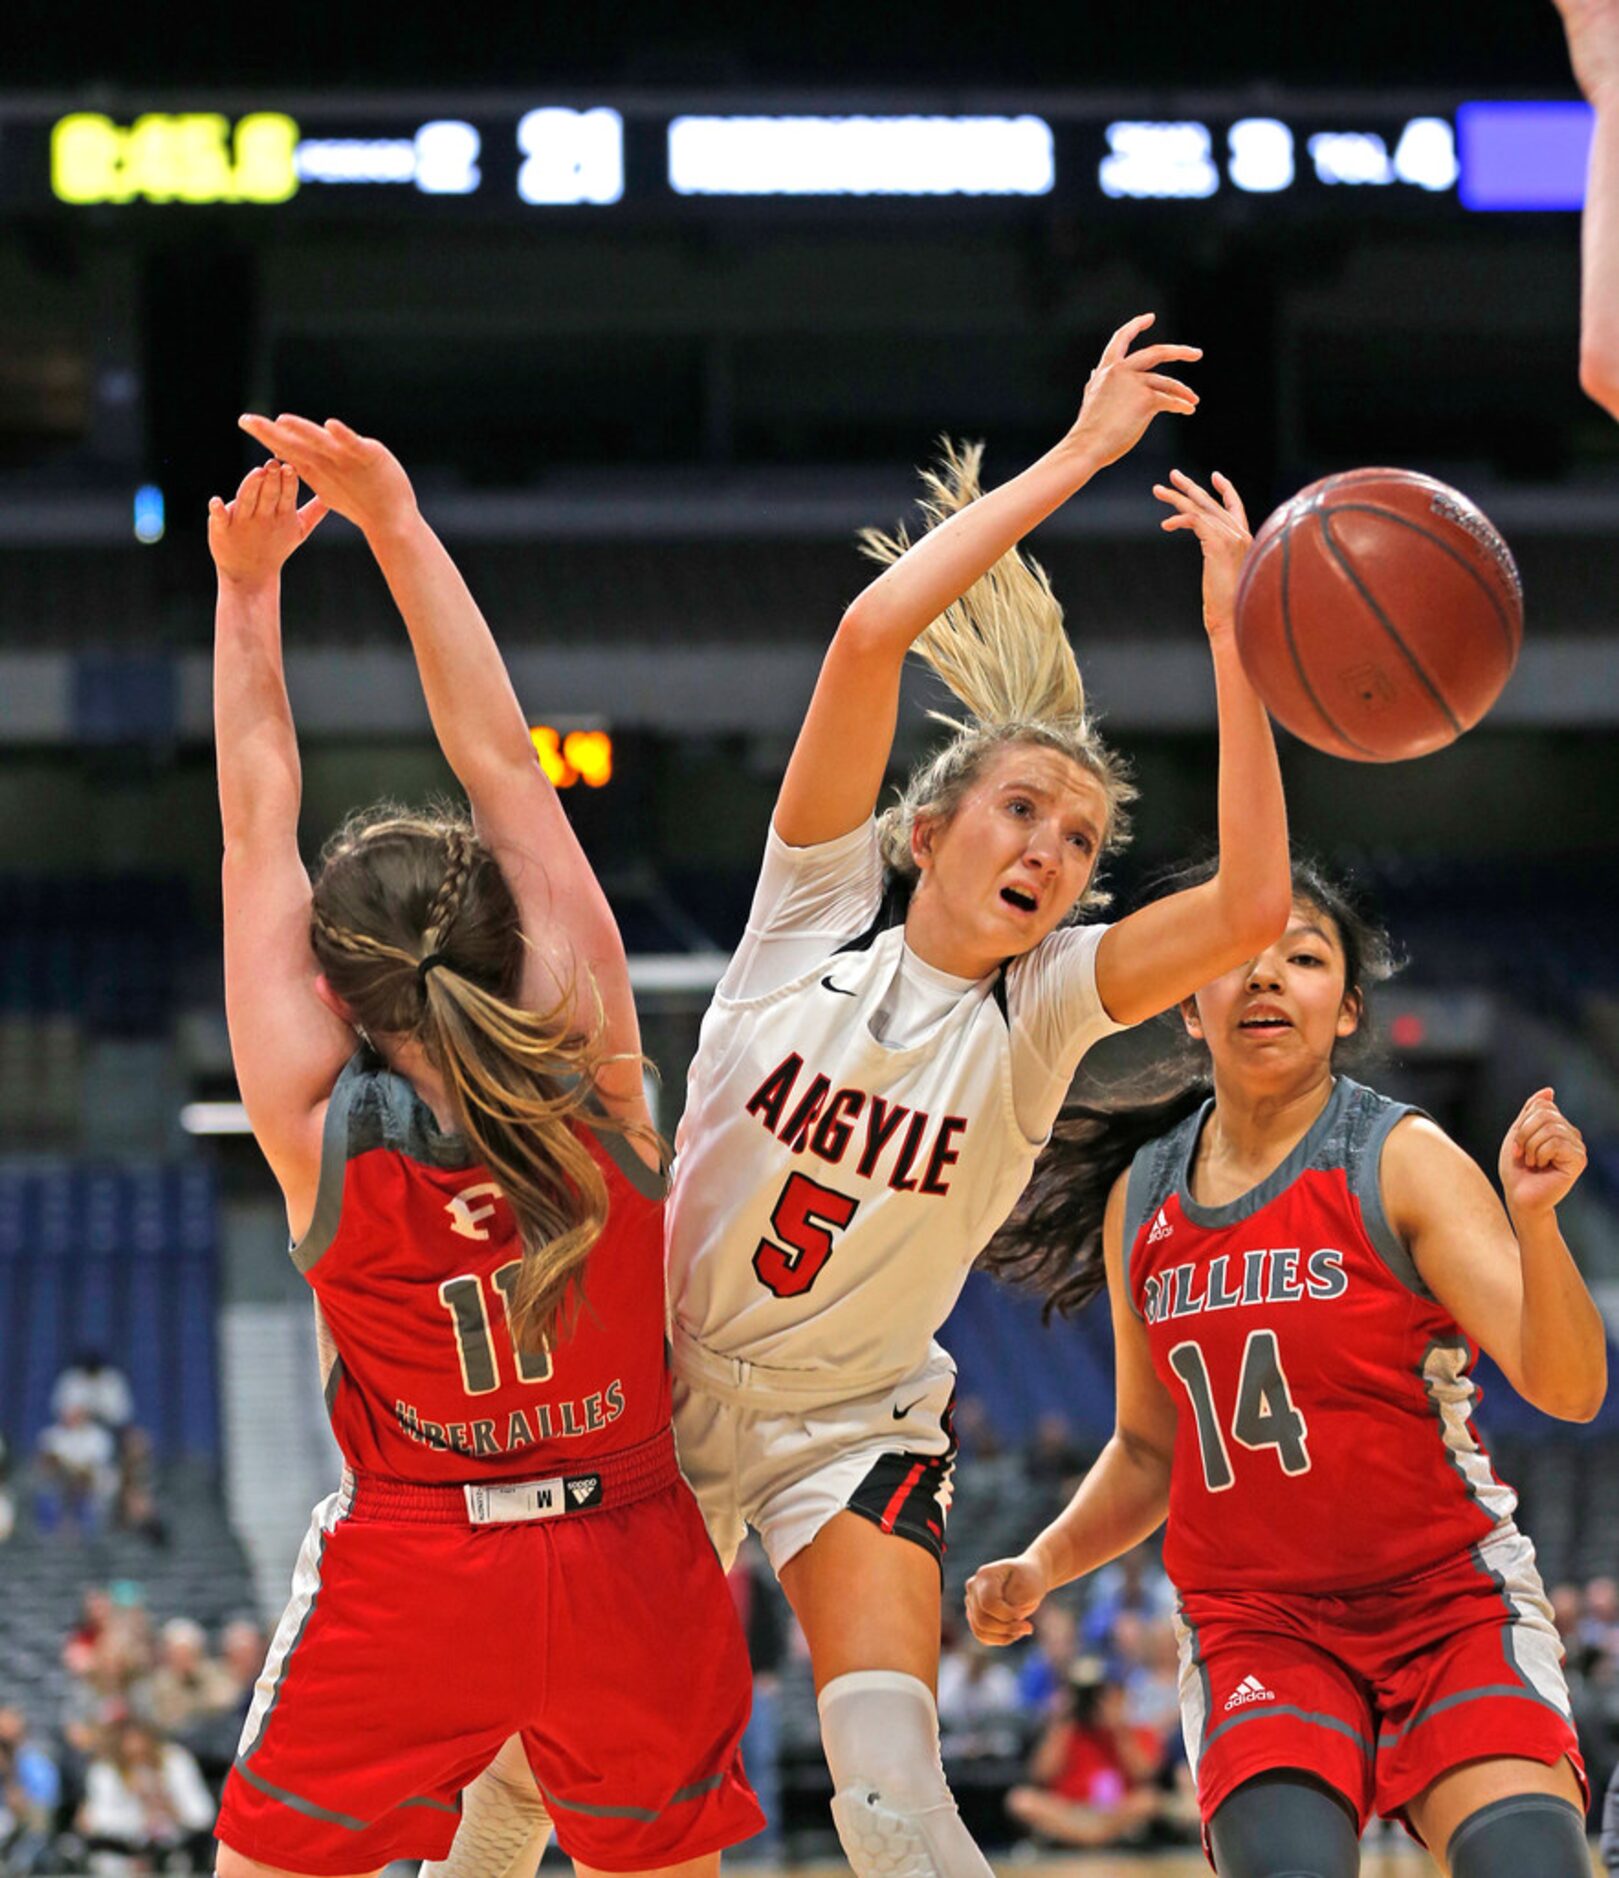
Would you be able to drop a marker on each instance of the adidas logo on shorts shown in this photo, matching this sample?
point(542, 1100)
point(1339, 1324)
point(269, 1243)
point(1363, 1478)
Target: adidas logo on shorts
point(1250, 1689)
point(585, 1489)
point(1161, 1229)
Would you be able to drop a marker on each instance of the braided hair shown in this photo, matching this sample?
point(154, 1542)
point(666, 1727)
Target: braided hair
point(416, 930)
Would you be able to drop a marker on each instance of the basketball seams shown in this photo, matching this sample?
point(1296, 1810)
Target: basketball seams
point(1342, 558)
point(1286, 536)
point(1503, 614)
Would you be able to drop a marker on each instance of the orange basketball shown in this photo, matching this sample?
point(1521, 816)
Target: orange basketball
point(1379, 614)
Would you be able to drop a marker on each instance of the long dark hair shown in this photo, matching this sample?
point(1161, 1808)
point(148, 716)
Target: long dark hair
point(1052, 1244)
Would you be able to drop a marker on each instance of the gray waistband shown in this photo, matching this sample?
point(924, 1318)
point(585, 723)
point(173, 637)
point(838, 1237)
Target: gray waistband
point(752, 1385)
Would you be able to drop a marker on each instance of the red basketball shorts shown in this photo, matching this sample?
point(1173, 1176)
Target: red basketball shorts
point(416, 1643)
point(1377, 1692)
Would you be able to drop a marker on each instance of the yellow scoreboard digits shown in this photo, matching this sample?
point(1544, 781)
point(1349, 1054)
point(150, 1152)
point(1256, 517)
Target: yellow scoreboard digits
point(192, 156)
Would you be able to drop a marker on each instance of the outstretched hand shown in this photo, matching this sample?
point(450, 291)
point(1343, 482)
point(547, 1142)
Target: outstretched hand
point(359, 477)
point(1222, 528)
point(1127, 391)
point(1541, 1158)
point(253, 534)
point(1001, 1598)
point(1593, 44)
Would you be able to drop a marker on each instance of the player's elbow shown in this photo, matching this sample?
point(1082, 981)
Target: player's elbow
point(1573, 1399)
point(1599, 377)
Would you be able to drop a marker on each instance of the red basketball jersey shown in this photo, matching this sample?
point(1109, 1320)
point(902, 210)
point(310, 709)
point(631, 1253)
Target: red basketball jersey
point(1325, 1440)
point(413, 1255)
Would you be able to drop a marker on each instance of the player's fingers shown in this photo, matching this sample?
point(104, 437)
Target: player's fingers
point(335, 427)
point(251, 494)
point(1119, 344)
point(218, 512)
point(1149, 358)
point(285, 493)
point(1168, 387)
point(1229, 496)
point(310, 517)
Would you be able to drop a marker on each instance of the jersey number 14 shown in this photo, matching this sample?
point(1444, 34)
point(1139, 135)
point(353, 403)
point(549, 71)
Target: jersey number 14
point(1265, 1416)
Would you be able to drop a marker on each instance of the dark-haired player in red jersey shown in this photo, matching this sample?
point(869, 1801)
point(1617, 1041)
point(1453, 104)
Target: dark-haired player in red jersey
point(438, 1050)
point(1300, 1272)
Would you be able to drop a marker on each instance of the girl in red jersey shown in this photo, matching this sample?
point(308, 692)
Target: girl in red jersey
point(475, 1197)
point(1300, 1273)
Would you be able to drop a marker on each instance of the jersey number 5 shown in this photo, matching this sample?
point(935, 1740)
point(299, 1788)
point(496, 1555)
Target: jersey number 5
point(464, 1299)
point(806, 1215)
point(1265, 1417)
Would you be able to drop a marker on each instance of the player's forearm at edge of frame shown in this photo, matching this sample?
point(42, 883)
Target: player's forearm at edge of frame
point(1121, 1501)
point(1253, 884)
point(1564, 1343)
point(256, 746)
point(1599, 257)
point(474, 709)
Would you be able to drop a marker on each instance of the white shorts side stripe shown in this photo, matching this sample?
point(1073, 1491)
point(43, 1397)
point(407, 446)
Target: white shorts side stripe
point(305, 1585)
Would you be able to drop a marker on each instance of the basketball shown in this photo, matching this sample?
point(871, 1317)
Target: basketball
point(1379, 614)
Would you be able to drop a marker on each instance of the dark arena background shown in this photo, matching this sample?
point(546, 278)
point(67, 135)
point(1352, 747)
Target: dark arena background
point(654, 348)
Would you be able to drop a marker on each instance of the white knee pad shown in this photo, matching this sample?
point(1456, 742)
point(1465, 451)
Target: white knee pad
point(894, 1813)
point(504, 1824)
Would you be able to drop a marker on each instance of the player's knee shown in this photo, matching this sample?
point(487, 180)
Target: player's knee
point(1284, 1823)
point(1526, 1832)
point(892, 1808)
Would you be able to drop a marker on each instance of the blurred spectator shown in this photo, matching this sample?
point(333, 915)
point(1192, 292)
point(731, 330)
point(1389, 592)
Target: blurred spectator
point(1599, 1620)
point(186, 1686)
point(136, 1508)
point(1092, 1776)
point(8, 1508)
point(979, 1710)
point(143, 1800)
point(77, 1476)
point(1055, 1457)
point(111, 1686)
point(763, 1616)
point(1152, 1681)
point(1133, 1582)
point(30, 1793)
point(242, 1649)
point(1043, 1672)
point(92, 1384)
point(976, 1436)
point(95, 1611)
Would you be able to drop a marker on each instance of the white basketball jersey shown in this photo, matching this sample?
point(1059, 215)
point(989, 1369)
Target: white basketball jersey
point(832, 1190)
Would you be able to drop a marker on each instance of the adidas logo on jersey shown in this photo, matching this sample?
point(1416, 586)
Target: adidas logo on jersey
point(1250, 1689)
point(585, 1489)
point(1161, 1229)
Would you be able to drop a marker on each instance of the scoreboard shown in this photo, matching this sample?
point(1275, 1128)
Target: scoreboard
point(642, 157)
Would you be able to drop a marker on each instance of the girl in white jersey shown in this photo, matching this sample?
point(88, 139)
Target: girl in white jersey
point(884, 1058)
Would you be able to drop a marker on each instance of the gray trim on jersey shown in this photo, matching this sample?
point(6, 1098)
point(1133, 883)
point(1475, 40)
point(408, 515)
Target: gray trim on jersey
point(1365, 1183)
point(1268, 1711)
point(694, 1791)
point(1302, 1155)
point(334, 1137)
point(312, 1810)
point(1452, 1394)
point(1196, 1695)
point(652, 1183)
point(1150, 1183)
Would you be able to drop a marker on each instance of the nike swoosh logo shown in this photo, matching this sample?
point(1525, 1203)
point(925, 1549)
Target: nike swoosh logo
point(901, 1413)
point(839, 989)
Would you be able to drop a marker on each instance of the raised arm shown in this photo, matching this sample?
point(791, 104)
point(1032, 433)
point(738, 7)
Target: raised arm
point(1593, 44)
point(575, 947)
point(1167, 950)
point(1506, 1277)
point(1124, 1497)
point(287, 1046)
point(836, 772)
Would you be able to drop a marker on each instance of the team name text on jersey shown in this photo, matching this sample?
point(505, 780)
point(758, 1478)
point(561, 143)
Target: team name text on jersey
point(1230, 1281)
point(544, 1421)
point(882, 1134)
